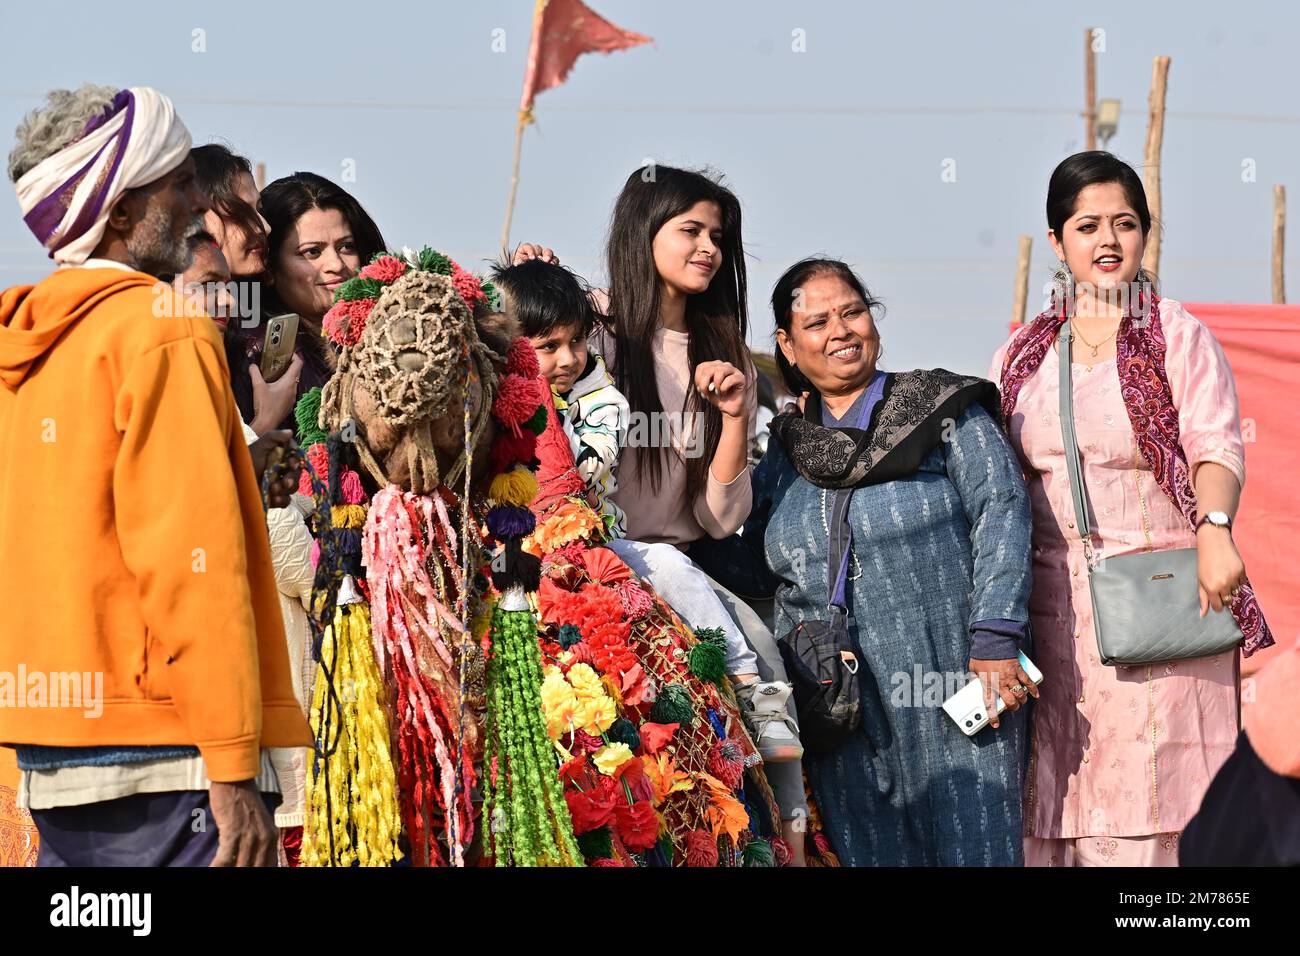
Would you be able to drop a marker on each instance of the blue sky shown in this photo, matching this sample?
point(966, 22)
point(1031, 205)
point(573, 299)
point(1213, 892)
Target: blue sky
point(838, 149)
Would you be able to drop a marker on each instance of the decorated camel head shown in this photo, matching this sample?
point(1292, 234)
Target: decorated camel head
point(424, 350)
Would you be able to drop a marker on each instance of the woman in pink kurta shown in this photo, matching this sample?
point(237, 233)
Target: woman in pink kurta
point(1120, 756)
point(1119, 752)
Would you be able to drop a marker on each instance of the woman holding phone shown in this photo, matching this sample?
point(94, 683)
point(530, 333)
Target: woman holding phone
point(320, 237)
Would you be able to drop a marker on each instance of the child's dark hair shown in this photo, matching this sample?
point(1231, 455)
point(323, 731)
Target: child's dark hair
point(543, 296)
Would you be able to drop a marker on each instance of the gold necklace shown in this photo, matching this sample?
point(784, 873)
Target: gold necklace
point(1074, 333)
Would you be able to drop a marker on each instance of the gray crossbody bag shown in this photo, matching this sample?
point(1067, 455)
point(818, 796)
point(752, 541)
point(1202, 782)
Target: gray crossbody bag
point(1145, 606)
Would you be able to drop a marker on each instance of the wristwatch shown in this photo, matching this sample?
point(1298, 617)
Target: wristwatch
point(1217, 518)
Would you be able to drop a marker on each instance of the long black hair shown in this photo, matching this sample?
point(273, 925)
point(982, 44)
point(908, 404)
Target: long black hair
point(1094, 167)
point(287, 199)
point(783, 295)
point(218, 169)
point(717, 319)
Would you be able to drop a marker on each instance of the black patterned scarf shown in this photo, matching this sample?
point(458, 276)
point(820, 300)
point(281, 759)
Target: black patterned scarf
point(917, 412)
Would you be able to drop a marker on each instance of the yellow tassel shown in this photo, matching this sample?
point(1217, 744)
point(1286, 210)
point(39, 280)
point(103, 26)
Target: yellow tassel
point(517, 487)
point(348, 516)
point(358, 795)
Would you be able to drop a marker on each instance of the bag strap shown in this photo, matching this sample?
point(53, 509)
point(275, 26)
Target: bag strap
point(841, 542)
point(841, 533)
point(1082, 516)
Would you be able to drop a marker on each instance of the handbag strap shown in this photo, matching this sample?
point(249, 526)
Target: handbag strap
point(841, 543)
point(1073, 464)
point(841, 533)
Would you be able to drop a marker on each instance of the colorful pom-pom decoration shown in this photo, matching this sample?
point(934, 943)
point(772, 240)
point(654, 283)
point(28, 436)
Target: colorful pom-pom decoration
point(507, 521)
point(517, 487)
point(707, 662)
point(522, 359)
point(673, 706)
point(517, 401)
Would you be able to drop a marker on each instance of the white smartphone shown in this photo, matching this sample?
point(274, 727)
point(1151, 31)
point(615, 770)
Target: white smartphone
point(966, 707)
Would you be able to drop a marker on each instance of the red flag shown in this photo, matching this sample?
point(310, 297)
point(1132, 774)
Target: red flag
point(563, 30)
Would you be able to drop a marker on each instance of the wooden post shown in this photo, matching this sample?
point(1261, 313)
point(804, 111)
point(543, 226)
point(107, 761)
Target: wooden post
point(1151, 160)
point(1279, 245)
point(1022, 281)
point(1089, 91)
point(261, 176)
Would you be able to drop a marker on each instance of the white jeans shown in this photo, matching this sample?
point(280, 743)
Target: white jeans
point(690, 592)
point(702, 602)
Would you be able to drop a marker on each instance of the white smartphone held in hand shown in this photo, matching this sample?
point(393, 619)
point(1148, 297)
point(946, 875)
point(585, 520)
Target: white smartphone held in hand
point(966, 707)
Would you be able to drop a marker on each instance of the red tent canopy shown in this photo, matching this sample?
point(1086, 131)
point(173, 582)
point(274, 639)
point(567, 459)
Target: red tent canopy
point(1262, 343)
point(1263, 346)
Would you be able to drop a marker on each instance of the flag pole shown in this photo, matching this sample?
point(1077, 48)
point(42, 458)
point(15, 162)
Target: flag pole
point(524, 119)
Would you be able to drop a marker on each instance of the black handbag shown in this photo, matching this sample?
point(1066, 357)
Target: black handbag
point(821, 658)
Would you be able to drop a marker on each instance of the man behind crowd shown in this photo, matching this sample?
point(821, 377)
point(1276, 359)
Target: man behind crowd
point(132, 538)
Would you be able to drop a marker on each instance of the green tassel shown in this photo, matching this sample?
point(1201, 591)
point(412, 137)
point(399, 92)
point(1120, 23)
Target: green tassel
point(666, 847)
point(307, 413)
point(537, 424)
point(712, 635)
point(707, 662)
point(358, 288)
point(433, 261)
point(596, 844)
point(673, 706)
point(758, 852)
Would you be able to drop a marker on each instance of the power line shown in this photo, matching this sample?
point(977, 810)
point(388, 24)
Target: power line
point(508, 107)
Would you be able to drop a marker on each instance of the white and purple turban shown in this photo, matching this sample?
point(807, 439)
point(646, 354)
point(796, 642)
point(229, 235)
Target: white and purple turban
point(66, 198)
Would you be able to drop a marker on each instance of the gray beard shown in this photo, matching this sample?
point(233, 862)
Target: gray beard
point(154, 250)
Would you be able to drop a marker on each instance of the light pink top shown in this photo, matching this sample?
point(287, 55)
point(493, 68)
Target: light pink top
point(1119, 751)
point(666, 514)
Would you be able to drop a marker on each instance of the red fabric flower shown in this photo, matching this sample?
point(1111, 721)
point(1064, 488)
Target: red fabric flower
point(637, 825)
point(517, 401)
point(385, 269)
point(701, 848)
point(585, 743)
point(654, 736)
point(604, 861)
point(591, 809)
point(522, 358)
point(605, 567)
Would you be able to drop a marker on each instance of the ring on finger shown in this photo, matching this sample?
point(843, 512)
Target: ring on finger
point(1018, 689)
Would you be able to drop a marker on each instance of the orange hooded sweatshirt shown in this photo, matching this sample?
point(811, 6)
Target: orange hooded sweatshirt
point(133, 544)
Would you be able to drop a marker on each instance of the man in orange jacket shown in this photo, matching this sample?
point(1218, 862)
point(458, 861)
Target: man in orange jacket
point(143, 669)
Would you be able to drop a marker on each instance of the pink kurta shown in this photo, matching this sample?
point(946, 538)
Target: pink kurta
point(1119, 751)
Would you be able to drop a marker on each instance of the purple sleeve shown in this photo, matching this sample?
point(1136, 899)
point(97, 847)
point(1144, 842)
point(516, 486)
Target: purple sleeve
point(996, 640)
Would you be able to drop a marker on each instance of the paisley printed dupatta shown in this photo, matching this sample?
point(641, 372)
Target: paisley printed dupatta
point(1149, 400)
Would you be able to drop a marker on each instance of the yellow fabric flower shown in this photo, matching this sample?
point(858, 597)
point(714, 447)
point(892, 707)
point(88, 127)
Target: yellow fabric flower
point(595, 714)
point(610, 757)
point(585, 681)
point(558, 703)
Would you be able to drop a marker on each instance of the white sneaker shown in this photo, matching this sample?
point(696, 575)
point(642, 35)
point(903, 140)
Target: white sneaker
point(763, 706)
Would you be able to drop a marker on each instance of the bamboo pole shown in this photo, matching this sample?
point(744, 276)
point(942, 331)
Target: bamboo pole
point(1151, 160)
point(261, 176)
point(1279, 245)
point(1089, 91)
point(1022, 281)
point(514, 183)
